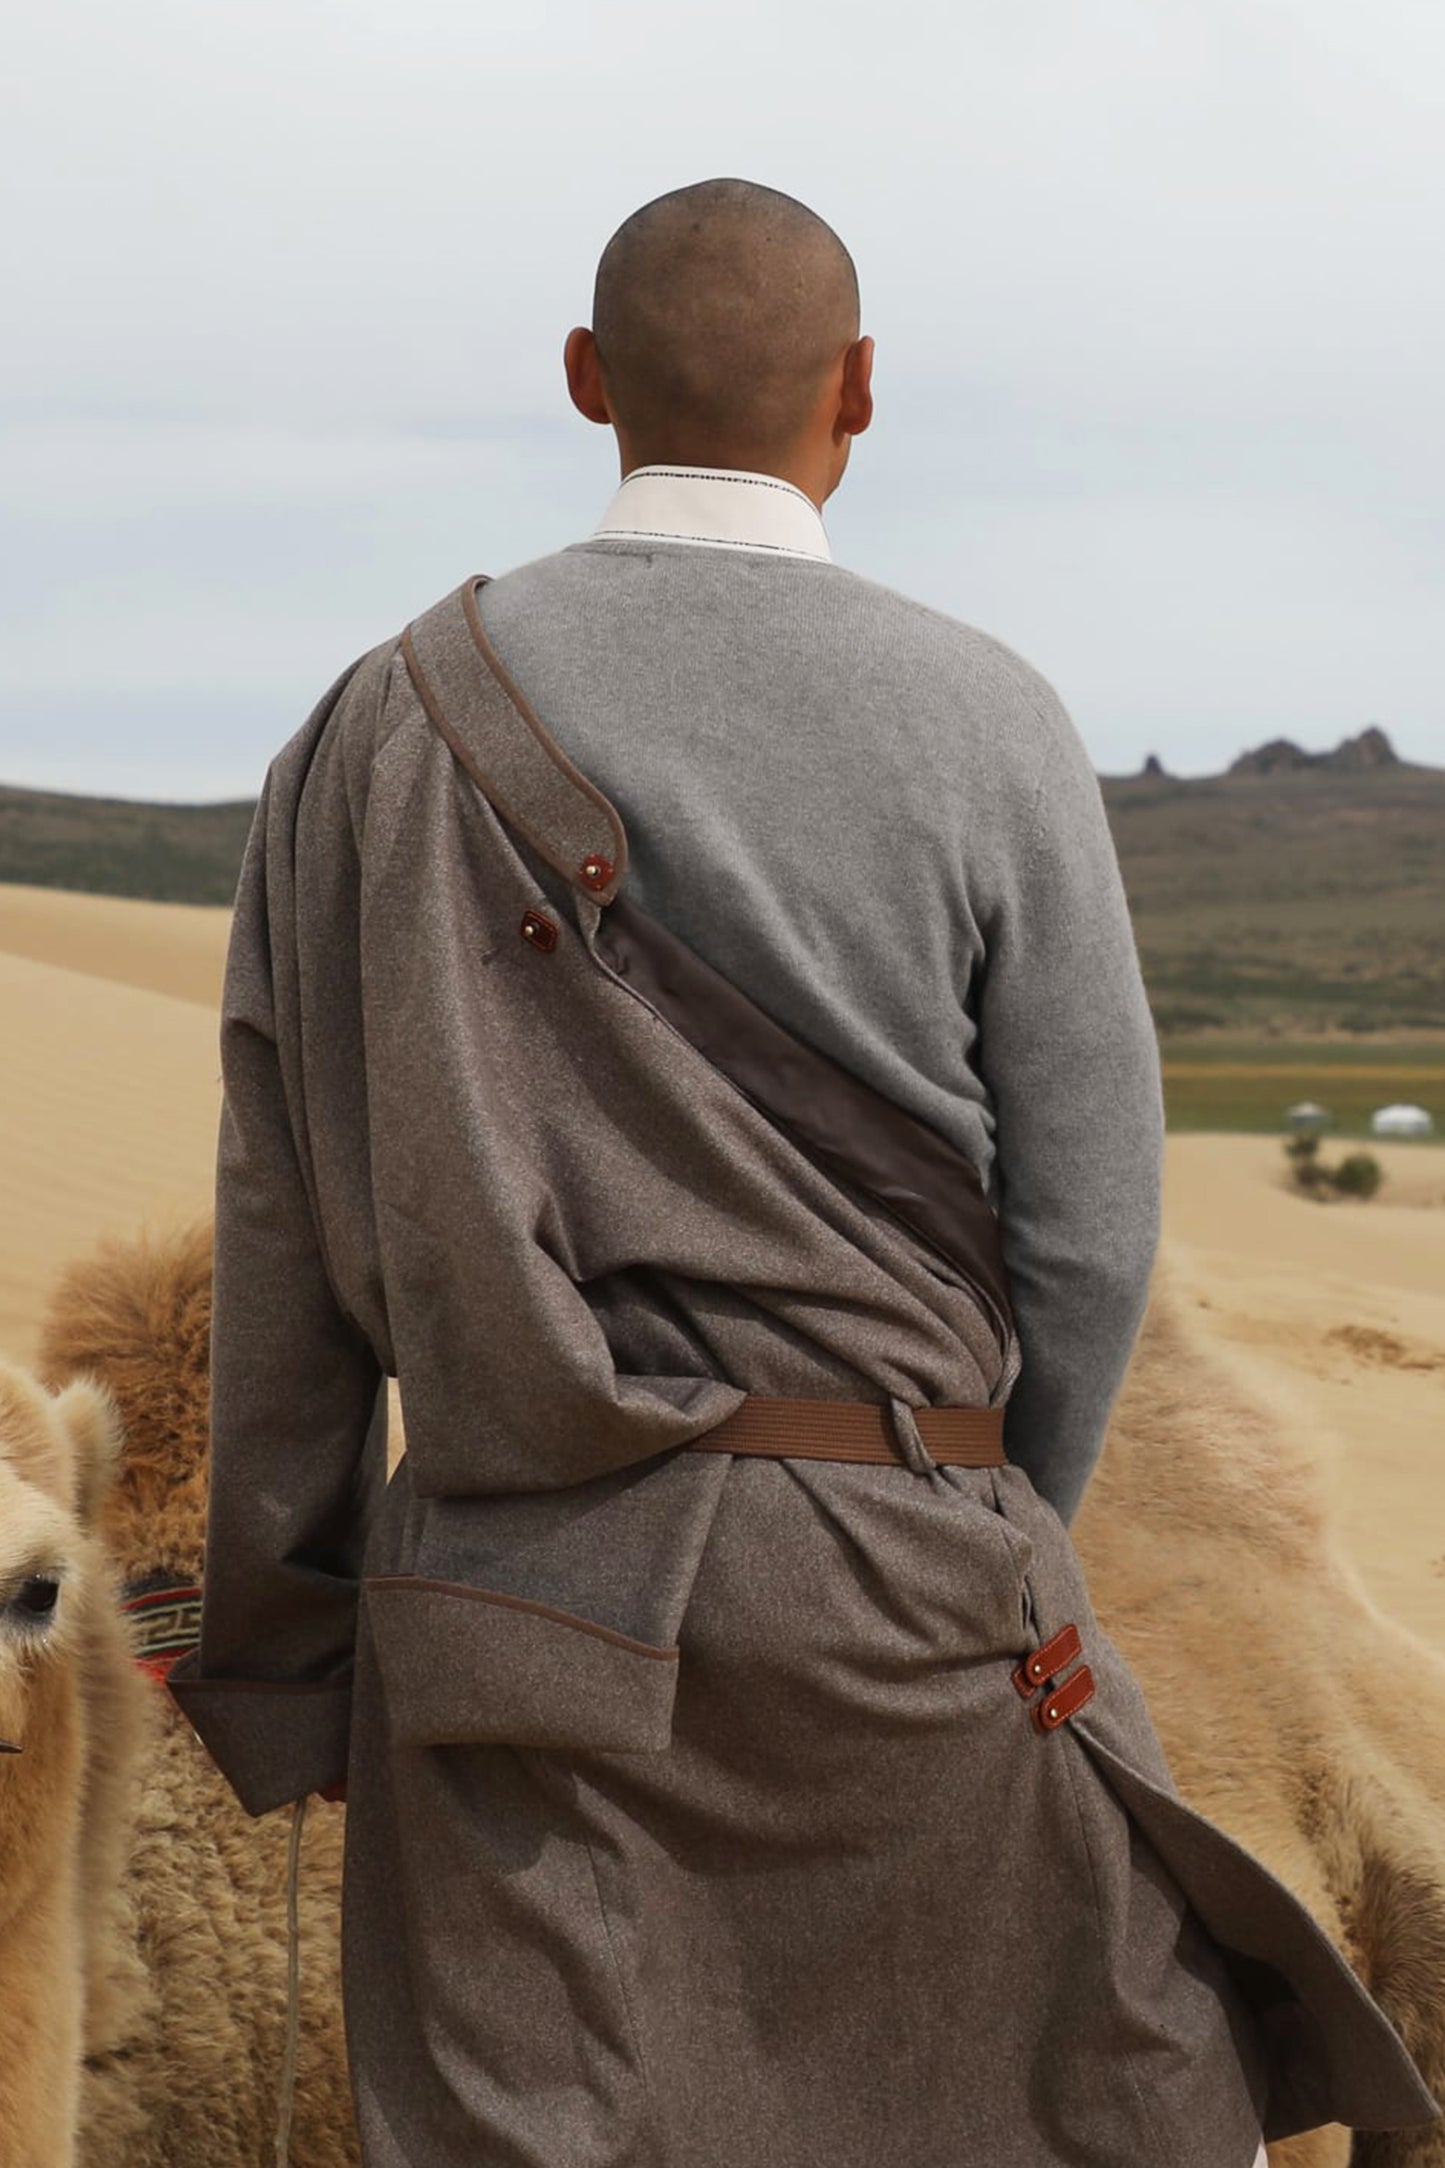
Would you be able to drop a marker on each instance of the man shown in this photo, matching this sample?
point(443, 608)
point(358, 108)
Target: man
point(682, 1021)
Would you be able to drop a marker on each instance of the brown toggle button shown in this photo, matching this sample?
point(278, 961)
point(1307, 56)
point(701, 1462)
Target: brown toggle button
point(1065, 1701)
point(540, 930)
point(1046, 1662)
point(596, 870)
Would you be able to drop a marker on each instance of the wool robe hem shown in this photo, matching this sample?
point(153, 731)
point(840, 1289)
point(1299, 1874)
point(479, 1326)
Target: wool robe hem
point(695, 1813)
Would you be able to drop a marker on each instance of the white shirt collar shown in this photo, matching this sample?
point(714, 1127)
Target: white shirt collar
point(718, 508)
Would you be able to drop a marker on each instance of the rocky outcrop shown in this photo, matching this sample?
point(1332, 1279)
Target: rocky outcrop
point(1371, 749)
point(1280, 756)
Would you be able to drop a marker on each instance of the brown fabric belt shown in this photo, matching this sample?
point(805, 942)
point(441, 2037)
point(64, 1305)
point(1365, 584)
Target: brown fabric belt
point(854, 1430)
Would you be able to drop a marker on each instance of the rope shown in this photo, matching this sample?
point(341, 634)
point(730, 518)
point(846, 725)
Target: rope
point(293, 1985)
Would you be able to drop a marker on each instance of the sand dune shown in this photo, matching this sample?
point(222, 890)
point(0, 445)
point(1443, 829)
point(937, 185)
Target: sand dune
point(109, 1082)
point(1346, 1302)
point(110, 1091)
point(169, 948)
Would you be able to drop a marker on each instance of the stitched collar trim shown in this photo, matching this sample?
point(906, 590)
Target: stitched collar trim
point(716, 508)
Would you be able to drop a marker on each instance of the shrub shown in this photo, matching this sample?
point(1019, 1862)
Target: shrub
point(1358, 1176)
point(1302, 1152)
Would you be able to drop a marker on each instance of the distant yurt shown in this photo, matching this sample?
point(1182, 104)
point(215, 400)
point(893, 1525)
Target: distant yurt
point(1306, 1114)
point(1402, 1121)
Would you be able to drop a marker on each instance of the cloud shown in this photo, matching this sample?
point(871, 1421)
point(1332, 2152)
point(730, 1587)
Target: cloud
point(1160, 336)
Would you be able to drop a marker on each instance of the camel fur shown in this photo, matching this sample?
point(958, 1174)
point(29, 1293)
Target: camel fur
point(185, 2068)
point(1294, 1713)
point(70, 1716)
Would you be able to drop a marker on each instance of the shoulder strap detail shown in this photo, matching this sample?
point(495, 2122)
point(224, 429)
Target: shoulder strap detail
point(513, 760)
point(838, 1121)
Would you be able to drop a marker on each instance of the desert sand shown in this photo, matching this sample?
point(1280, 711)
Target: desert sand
point(110, 1092)
point(166, 948)
point(1345, 1303)
point(109, 1080)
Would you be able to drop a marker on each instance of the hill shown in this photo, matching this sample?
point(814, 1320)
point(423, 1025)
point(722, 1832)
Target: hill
point(1295, 899)
point(121, 847)
point(1290, 894)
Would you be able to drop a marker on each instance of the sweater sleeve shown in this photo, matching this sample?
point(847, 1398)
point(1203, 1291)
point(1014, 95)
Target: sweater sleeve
point(298, 1406)
point(1067, 1051)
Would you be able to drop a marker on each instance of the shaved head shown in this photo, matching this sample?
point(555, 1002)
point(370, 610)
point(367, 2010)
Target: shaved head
point(718, 313)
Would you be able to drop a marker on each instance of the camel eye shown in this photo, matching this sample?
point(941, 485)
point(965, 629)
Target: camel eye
point(35, 1598)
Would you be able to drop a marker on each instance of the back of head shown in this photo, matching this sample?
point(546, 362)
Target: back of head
point(718, 313)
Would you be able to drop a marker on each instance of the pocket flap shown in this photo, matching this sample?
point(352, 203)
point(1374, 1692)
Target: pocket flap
point(471, 1666)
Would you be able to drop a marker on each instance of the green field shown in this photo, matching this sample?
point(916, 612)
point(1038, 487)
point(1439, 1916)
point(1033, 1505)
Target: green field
point(1246, 1084)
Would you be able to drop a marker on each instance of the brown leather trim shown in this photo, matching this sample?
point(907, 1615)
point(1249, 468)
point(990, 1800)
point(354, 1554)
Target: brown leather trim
point(461, 753)
point(381, 1582)
point(1065, 1701)
point(1045, 1663)
point(854, 1430)
point(540, 930)
point(618, 863)
point(832, 1115)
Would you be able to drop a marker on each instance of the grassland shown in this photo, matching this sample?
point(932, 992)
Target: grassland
point(1287, 904)
point(121, 847)
point(1238, 1083)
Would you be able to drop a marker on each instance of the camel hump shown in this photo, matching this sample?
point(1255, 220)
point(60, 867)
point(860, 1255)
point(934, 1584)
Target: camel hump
point(135, 1318)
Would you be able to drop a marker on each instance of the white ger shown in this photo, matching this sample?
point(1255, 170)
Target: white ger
point(1402, 1121)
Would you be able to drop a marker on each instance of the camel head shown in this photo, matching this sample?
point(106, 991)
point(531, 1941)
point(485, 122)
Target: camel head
point(58, 1452)
point(57, 1456)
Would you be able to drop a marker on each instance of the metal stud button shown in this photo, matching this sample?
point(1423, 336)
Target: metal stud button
point(540, 930)
point(596, 870)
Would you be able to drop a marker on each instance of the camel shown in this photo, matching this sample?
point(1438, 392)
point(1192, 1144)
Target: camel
point(70, 1710)
point(182, 2050)
point(1294, 1713)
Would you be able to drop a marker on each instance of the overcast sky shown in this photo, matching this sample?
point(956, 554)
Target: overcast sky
point(1156, 286)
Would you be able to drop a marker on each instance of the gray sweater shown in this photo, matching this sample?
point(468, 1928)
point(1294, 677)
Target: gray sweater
point(882, 825)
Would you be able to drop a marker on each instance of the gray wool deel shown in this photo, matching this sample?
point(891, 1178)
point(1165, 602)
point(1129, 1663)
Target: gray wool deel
point(706, 1810)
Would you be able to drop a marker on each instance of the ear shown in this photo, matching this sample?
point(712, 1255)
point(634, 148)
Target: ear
point(32, 1442)
point(584, 376)
point(855, 405)
point(91, 1418)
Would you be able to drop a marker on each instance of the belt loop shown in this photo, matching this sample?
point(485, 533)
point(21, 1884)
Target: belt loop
point(909, 1438)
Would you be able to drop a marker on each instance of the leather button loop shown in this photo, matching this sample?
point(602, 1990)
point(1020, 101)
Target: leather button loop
point(540, 930)
point(596, 870)
point(1046, 1662)
point(1065, 1701)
